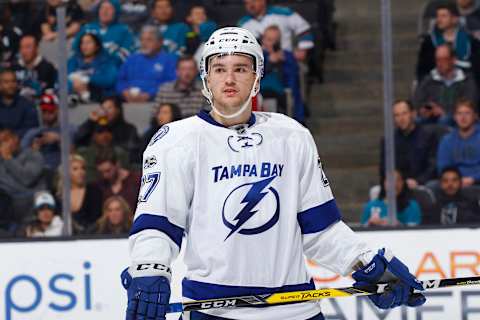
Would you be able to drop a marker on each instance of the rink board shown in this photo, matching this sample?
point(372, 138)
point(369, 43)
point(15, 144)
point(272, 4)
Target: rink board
point(79, 279)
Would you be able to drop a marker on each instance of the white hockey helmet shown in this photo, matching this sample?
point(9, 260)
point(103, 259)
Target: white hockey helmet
point(231, 40)
point(226, 41)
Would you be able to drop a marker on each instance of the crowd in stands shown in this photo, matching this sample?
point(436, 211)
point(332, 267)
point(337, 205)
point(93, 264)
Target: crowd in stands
point(437, 132)
point(120, 53)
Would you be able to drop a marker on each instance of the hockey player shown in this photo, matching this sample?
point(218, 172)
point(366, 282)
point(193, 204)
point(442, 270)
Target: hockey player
point(248, 193)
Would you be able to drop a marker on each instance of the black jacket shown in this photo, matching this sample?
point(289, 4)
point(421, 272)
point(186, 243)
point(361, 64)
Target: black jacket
point(459, 209)
point(414, 154)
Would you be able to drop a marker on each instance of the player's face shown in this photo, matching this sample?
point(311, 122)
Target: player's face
point(450, 183)
point(230, 78)
point(465, 117)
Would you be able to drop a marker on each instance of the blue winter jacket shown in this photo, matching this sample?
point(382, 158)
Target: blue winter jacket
point(454, 150)
point(117, 38)
point(174, 35)
point(102, 72)
point(147, 73)
point(287, 77)
point(19, 116)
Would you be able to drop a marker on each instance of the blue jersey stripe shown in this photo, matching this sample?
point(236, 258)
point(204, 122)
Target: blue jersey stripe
point(318, 218)
point(197, 290)
point(150, 221)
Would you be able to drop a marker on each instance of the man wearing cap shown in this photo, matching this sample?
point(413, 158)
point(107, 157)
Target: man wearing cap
point(46, 223)
point(46, 138)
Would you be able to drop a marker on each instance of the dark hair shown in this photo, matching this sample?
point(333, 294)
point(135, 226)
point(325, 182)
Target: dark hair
point(449, 46)
point(451, 169)
point(29, 35)
point(407, 102)
point(7, 70)
point(450, 6)
point(185, 57)
point(403, 198)
point(176, 113)
point(106, 155)
point(463, 102)
point(118, 103)
point(96, 39)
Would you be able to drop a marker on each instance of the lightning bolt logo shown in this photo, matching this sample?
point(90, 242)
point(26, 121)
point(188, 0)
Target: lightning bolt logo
point(251, 199)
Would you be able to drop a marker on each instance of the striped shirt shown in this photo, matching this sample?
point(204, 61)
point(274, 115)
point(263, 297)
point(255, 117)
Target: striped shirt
point(190, 101)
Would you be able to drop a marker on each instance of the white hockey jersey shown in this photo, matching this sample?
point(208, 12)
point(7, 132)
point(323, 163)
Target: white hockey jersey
point(292, 26)
point(251, 200)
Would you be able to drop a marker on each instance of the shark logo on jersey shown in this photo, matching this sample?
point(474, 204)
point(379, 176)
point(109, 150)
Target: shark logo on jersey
point(239, 142)
point(159, 135)
point(241, 211)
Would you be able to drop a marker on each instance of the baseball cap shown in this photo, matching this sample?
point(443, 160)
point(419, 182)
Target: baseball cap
point(42, 199)
point(48, 102)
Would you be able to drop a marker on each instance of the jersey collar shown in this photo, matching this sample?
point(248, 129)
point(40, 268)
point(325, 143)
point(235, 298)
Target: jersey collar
point(205, 115)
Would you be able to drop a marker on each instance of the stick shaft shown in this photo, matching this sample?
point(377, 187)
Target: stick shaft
point(303, 296)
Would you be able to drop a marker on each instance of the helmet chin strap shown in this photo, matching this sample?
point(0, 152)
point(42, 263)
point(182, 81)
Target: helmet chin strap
point(209, 95)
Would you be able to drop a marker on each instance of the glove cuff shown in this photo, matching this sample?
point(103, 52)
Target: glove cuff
point(150, 269)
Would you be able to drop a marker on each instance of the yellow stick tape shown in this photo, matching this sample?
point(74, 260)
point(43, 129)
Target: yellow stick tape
point(306, 295)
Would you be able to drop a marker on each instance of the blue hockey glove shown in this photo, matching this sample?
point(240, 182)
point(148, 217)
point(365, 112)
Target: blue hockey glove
point(148, 290)
point(385, 268)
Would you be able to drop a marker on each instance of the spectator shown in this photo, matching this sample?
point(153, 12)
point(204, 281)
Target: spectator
point(10, 35)
point(46, 223)
point(124, 134)
point(102, 141)
point(293, 26)
point(440, 90)
point(174, 33)
point(200, 29)
point(16, 112)
point(415, 147)
point(115, 180)
point(281, 72)
point(47, 19)
point(91, 71)
point(116, 218)
point(34, 73)
point(7, 216)
point(20, 173)
point(408, 211)
point(143, 72)
point(134, 13)
point(85, 198)
point(186, 91)
point(165, 113)
point(116, 37)
point(452, 205)
point(470, 16)
point(461, 148)
point(46, 138)
point(447, 30)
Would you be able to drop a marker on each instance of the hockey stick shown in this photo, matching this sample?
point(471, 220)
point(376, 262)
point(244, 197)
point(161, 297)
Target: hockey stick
point(303, 296)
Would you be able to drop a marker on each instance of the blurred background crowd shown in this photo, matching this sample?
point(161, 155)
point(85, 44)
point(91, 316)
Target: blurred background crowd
point(133, 67)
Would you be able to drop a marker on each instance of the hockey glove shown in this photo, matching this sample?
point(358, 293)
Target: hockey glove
point(385, 268)
point(148, 291)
